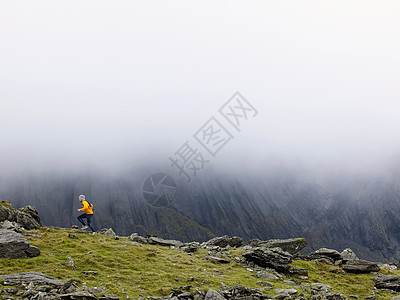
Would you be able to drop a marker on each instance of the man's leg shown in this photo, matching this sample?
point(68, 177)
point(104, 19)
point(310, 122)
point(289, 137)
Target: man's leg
point(89, 221)
point(80, 219)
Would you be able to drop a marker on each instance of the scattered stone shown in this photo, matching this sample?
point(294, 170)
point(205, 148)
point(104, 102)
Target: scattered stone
point(213, 295)
point(241, 292)
point(269, 275)
point(325, 255)
point(30, 234)
point(72, 236)
point(274, 258)
point(36, 278)
point(86, 273)
point(389, 282)
point(297, 271)
point(159, 241)
point(14, 245)
point(71, 261)
point(107, 231)
point(292, 246)
point(286, 291)
point(348, 255)
point(99, 290)
point(139, 239)
point(223, 242)
point(69, 286)
point(265, 284)
point(217, 260)
point(190, 247)
point(132, 243)
point(361, 266)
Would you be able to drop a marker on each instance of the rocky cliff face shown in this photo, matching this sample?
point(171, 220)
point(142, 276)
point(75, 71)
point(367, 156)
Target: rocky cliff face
point(360, 213)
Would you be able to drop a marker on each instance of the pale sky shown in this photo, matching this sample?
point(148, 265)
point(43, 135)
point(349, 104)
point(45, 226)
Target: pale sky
point(106, 82)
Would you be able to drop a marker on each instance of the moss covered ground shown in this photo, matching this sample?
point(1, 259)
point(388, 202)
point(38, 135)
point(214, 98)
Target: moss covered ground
point(129, 269)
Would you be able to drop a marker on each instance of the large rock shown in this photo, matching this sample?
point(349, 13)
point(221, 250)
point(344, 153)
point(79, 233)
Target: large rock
point(11, 226)
point(390, 282)
point(292, 246)
point(36, 278)
point(159, 241)
point(274, 258)
point(107, 231)
point(348, 255)
point(190, 247)
point(14, 245)
point(27, 217)
point(241, 292)
point(5, 210)
point(224, 241)
point(361, 266)
point(213, 295)
point(326, 255)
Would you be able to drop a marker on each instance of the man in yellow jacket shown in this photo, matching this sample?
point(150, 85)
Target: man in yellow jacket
point(88, 213)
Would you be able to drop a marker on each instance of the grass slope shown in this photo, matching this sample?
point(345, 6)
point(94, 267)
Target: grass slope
point(148, 270)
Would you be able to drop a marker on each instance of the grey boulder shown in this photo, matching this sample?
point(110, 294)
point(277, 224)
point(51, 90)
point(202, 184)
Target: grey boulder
point(224, 241)
point(159, 241)
point(14, 245)
point(292, 246)
point(361, 266)
point(36, 278)
point(389, 282)
point(274, 258)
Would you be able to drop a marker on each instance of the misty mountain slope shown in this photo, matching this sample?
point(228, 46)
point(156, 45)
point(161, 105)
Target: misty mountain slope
point(367, 214)
point(360, 212)
point(117, 204)
point(252, 208)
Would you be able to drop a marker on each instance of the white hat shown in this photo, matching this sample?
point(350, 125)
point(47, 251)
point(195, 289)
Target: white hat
point(82, 197)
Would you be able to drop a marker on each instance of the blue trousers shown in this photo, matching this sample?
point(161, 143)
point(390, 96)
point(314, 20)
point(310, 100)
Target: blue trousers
point(89, 220)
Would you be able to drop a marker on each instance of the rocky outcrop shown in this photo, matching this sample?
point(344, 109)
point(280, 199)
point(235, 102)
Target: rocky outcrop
point(36, 278)
point(292, 246)
point(348, 255)
point(223, 242)
point(11, 226)
point(26, 217)
point(159, 241)
point(5, 210)
point(107, 231)
point(274, 258)
point(329, 256)
point(14, 245)
point(360, 266)
point(233, 292)
point(190, 247)
point(388, 282)
point(36, 285)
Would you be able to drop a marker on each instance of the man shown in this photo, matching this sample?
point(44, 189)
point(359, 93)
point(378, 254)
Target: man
point(88, 213)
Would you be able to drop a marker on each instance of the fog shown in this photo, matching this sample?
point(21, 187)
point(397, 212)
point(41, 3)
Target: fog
point(96, 84)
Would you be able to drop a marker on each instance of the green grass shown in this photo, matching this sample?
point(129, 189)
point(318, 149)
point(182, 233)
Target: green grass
point(150, 270)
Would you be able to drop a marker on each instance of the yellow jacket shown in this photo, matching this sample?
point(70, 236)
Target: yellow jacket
point(87, 208)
